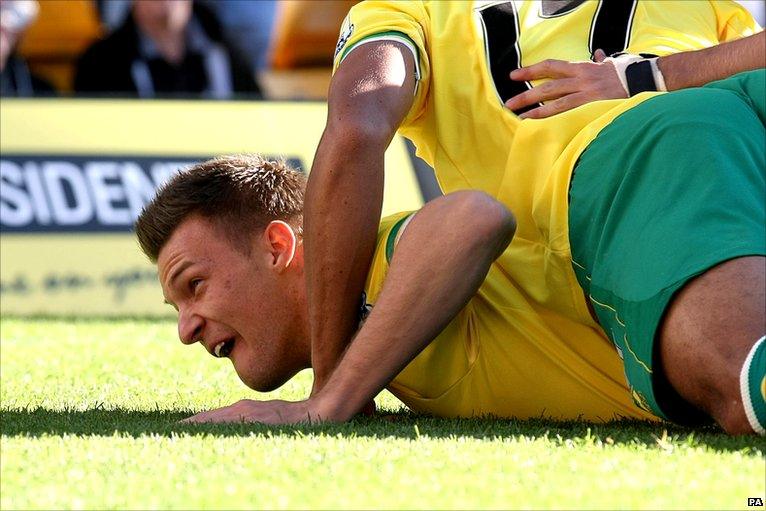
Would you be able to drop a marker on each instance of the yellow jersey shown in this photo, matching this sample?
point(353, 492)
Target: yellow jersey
point(494, 359)
point(526, 345)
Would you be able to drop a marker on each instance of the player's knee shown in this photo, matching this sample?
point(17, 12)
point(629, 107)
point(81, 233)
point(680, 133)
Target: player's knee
point(737, 403)
point(489, 219)
point(732, 418)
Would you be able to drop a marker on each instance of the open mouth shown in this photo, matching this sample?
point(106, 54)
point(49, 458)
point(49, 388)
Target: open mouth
point(223, 349)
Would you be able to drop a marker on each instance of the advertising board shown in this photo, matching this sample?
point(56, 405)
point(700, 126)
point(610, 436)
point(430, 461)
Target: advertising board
point(74, 174)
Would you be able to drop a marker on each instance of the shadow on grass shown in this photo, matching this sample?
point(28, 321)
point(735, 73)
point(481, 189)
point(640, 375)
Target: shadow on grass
point(35, 422)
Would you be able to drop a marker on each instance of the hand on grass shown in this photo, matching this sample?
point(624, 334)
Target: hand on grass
point(368, 410)
point(571, 84)
point(267, 412)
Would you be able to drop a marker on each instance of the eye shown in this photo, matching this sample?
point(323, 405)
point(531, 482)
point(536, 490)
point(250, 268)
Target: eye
point(194, 284)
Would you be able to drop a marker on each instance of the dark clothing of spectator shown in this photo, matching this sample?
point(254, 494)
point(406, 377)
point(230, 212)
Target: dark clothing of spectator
point(248, 26)
point(127, 63)
point(16, 80)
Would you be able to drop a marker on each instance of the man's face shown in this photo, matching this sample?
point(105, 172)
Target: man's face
point(162, 16)
point(247, 307)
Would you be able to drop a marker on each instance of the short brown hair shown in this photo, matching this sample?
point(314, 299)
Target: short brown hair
point(242, 193)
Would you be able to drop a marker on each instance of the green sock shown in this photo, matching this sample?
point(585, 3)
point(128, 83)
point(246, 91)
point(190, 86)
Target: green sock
point(752, 384)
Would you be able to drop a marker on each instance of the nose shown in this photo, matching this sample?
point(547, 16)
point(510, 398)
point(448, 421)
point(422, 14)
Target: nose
point(189, 326)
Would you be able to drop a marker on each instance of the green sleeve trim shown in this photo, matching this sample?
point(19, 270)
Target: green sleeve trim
point(393, 235)
point(390, 35)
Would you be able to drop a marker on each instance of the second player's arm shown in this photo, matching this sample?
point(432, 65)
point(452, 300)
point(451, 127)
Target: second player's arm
point(695, 68)
point(369, 97)
point(572, 84)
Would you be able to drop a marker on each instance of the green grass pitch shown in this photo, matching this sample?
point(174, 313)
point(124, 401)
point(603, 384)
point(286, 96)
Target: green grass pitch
point(89, 411)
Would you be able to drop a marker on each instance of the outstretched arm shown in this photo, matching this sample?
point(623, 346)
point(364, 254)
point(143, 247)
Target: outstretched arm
point(369, 96)
point(572, 84)
point(442, 258)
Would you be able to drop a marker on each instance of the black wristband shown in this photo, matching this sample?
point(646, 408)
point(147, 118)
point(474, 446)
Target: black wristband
point(639, 77)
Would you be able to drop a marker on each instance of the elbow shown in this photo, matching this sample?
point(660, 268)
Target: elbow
point(489, 224)
point(358, 134)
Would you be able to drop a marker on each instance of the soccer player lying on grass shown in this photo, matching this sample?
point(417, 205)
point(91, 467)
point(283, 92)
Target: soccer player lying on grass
point(438, 73)
point(444, 75)
point(702, 207)
point(226, 236)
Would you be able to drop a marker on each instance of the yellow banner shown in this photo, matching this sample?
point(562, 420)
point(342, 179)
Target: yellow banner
point(75, 173)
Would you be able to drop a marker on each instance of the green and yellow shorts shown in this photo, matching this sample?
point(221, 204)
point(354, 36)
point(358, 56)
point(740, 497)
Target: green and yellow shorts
point(668, 190)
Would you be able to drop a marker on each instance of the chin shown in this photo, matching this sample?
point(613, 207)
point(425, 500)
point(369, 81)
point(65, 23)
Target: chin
point(265, 383)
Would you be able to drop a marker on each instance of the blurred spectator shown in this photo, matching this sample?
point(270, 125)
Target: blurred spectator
point(15, 77)
point(248, 25)
point(113, 12)
point(165, 47)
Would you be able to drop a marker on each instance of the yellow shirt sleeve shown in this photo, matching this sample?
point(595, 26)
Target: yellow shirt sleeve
point(403, 22)
point(389, 232)
point(666, 27)
point(734, 21)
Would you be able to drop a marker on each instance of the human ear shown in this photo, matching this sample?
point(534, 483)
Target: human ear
point(281, 243)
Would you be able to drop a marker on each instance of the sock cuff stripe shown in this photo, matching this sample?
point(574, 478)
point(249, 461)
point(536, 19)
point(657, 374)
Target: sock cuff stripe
point(744, 387)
